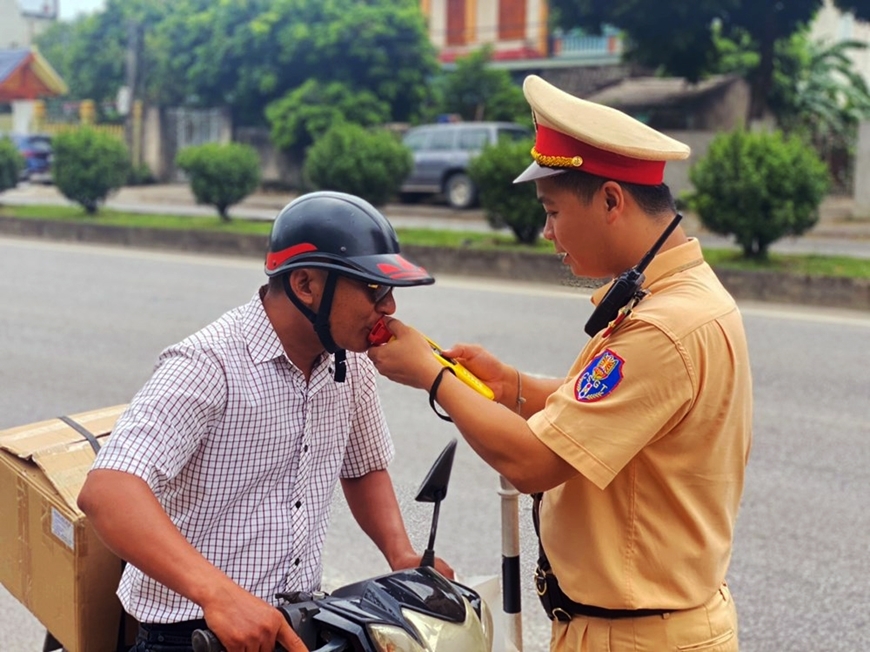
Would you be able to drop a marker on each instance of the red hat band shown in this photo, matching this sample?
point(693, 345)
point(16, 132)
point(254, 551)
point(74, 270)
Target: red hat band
point(557, 150)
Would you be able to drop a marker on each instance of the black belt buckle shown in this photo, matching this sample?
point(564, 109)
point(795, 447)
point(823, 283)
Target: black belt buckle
point(546, 596)
point(540, 581)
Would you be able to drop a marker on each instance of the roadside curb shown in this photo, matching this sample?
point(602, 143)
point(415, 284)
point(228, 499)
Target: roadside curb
point(831, 292)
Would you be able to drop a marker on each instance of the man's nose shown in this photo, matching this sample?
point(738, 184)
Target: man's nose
point(387, 305)
point(547, 232)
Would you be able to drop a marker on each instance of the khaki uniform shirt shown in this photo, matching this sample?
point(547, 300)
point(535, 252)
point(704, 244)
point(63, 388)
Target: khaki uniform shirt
point(656, 418)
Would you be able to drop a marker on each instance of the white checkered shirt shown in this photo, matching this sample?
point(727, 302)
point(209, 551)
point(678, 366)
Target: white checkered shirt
point(244, 456)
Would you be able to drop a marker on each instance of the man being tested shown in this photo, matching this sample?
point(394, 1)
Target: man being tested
point(640, 451)
point(217, 480)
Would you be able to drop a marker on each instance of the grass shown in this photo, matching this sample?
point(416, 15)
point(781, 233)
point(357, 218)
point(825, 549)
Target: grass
point(798, 264)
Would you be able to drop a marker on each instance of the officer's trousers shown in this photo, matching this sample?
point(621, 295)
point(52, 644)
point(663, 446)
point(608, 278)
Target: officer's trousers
point(712, 627)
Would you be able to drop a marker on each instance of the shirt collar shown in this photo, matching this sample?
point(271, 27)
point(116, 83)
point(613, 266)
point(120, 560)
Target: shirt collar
point(263, 342)
point(664, 264)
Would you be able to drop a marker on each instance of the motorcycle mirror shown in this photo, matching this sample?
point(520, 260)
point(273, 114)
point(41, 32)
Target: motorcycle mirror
point(434, 487)
point(434, 490)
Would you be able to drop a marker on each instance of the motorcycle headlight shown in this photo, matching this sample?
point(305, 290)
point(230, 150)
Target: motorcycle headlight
point(393, 639)
point(437, 635)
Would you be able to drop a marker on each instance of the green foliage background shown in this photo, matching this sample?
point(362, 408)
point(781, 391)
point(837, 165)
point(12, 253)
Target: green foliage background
point(505, 202)
point(368, 163)
point(11, 164)
point(758, 187)
point(221, 174)
point(88, 166)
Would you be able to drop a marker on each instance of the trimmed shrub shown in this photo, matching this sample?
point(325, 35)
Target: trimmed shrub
point(368, 163)
point(221, 174)
point(504, 202)
point(88, 166)
point(11, 164)
point(305, 113)
point(758, 187)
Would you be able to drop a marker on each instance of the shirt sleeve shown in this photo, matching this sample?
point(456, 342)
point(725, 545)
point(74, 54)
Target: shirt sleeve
point(627, 391)
point(370, 447)
point(167, 419)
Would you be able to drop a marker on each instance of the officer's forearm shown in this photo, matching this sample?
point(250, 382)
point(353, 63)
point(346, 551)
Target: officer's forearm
point(503, 438)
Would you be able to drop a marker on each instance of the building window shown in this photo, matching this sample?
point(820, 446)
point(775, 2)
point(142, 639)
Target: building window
point(455, 22)
point(511, 20)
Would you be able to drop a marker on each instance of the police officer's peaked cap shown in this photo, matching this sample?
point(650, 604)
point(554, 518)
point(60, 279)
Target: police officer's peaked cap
point(343, 233)
point(572, 133)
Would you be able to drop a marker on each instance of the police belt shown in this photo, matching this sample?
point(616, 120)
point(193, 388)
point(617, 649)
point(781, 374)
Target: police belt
point(559, 606)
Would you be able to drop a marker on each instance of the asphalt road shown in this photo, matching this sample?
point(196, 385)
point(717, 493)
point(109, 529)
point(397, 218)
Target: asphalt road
point(81, 326)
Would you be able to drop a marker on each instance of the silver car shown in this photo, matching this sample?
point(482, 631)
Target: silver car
point(441, 155)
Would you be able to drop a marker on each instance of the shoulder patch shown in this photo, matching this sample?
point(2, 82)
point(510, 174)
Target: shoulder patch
point(599, 378)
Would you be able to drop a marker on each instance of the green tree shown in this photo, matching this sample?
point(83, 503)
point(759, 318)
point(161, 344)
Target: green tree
point(817, 90)
point(506, 202)
point(248, 54)
point(221, 174)
point(758, 187)
point(88, 166)
point(91, 52)
point(690, 48)
point(304, 114)
point(369, 163)
point(476, 91)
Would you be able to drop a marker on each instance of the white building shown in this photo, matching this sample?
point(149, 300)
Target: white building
point(23, 20)
point(833, 26)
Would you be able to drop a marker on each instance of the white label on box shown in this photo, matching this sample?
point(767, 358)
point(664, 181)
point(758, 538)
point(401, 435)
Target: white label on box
point(62, 528)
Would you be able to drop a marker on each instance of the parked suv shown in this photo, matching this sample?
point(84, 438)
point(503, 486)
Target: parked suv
point(37, 152)
point(442, 153)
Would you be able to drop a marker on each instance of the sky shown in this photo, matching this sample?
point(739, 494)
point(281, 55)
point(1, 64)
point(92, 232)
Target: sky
point(71, 8)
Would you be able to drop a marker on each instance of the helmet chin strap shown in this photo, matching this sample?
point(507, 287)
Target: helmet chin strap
point(320, 319)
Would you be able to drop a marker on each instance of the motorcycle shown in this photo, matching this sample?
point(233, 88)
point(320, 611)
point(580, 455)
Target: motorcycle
point(414, 610)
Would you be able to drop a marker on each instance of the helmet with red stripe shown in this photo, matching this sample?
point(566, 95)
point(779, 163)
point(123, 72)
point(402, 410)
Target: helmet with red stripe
point(343, 233)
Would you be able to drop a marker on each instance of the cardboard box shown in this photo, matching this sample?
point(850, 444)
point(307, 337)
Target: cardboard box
point(50, 557)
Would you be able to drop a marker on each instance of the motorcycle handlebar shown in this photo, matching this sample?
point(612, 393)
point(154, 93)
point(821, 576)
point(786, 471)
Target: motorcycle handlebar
point(204, 640)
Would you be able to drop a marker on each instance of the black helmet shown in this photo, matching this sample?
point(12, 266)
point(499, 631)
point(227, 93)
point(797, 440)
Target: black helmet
point(343, 233)
point(346, 236)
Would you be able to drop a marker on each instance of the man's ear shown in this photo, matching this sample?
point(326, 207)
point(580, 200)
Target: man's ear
point(614, 199)
point(306, 285)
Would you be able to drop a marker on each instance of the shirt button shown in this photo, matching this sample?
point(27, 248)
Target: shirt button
point(305, 448)
point(298, 504)
point(296, 561)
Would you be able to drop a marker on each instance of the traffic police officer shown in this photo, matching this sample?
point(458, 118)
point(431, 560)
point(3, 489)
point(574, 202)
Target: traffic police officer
point(640, 451)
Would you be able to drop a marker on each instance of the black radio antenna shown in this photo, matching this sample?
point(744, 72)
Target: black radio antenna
point(648, 256)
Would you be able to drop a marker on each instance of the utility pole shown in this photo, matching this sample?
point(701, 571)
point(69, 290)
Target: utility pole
point(133, 125)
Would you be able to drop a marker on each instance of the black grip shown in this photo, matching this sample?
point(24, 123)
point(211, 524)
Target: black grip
point(203, 640)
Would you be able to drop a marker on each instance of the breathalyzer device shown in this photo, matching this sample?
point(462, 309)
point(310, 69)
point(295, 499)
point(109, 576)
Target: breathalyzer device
point(380, 334)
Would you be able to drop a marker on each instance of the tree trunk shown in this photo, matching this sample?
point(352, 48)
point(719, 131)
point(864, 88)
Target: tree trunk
point(763, 79)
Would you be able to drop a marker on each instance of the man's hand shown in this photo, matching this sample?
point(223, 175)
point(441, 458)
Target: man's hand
point(412, 560)
point(245, 623)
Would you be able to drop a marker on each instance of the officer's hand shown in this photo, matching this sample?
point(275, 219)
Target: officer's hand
point(407, 358)
point(245, 623)
point(496, 375)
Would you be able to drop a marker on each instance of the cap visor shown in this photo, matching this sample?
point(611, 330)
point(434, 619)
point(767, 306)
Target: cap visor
point(535, 171)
